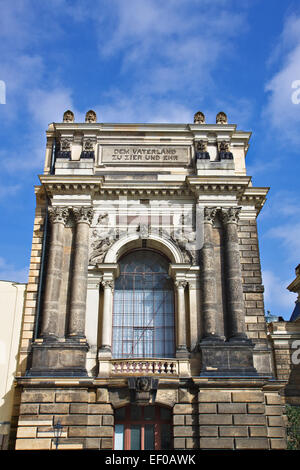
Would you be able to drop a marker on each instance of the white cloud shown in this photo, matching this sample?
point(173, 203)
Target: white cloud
point(49, 105)
point(281, 111)
point(282, 204)
point(166, 47)
point(277, 298)
point(140, 108)
point(9, 272)
point(289, 236)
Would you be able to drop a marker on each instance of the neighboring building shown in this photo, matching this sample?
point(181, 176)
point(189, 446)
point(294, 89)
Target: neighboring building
point(295, 287)
point(12, 301)
point(144, 318)
point(285, 343)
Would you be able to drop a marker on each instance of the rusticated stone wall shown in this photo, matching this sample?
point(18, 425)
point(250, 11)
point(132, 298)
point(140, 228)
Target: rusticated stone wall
point(252, 281)
point(29, 319)
point(240, 419)
point(221, 417)
point(87, 421)
point(253, 294)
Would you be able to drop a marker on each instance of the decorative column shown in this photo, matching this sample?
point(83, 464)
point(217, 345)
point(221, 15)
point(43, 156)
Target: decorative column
point(209, 306)
point(83, 217)
point(181, 350)
point(106, 339)
point(235, 298)
point(50, 324)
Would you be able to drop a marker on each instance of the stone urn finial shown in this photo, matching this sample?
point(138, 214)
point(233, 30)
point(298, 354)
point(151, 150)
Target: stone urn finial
point(199, 118)
point(221, 118)
point(91, 116)
point(68, 116)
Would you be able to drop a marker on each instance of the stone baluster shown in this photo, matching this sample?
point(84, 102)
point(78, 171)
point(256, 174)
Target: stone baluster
point(209, 306)
point(181, 350)
point(50, 324)
point(235, 300)
point(83, 218)
point(107, 318)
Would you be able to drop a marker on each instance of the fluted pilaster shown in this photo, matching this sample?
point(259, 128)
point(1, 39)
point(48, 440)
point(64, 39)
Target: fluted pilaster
point(209, 282)
point(106, 338)
point(181, 349)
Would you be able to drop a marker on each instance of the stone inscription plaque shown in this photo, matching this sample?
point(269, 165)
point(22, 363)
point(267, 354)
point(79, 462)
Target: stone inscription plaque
point(145, 154)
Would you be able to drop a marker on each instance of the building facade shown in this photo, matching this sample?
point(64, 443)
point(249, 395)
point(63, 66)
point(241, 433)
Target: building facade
point(144, 321)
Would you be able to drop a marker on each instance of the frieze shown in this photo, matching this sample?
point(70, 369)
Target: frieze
point(146, 154)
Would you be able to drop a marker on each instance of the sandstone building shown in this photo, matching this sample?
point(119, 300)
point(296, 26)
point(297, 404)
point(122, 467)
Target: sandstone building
point(144, 319)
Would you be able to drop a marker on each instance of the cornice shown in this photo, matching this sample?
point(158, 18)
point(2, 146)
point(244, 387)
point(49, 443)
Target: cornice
point(217, 184)
point(254, 196)
point(70, 184)
point(193, 186)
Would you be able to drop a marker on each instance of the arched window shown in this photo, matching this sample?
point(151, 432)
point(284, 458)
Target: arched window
point(143, 428)
point(143, 309)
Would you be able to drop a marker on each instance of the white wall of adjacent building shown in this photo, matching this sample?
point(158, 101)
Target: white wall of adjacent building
point(11, 312)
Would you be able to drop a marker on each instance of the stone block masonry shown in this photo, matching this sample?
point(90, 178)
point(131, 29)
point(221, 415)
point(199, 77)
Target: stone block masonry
point(229, 415)
point(240, 419)
point(86, 423)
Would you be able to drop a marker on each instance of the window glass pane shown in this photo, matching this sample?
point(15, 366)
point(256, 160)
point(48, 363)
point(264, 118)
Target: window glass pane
point(135, 437)
point(135, 412)
point(143, 308)
point(149, 437)
point(119, 437)
point(165, 436)
point(149, 412)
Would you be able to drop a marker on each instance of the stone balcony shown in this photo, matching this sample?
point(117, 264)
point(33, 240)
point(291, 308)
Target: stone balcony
point(144, 366)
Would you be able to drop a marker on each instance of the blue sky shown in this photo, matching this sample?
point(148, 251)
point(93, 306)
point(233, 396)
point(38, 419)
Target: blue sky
point(154, 61)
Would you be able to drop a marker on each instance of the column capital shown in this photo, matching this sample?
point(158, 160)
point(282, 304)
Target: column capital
point(58, 214)
point(108, 284)
point(83, 214)
point(230, 215)
point(180, 284)
point(210, 214)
